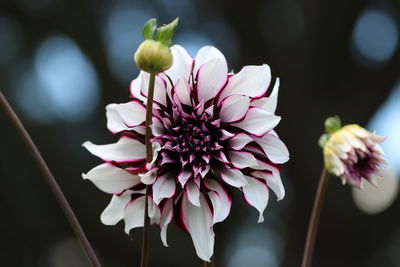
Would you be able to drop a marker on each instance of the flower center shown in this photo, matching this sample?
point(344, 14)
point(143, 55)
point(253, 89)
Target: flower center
point(192, 138)
point(362, 164)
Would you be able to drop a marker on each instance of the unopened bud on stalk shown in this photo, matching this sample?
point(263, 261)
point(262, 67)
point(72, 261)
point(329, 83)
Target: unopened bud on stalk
point(154, 54)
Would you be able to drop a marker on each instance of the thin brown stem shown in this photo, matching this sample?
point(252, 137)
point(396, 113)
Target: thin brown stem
point(51, 181)
point(315, 215)
point(149, 156)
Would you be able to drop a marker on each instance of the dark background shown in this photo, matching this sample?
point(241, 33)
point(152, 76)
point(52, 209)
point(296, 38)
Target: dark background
point(62, 61)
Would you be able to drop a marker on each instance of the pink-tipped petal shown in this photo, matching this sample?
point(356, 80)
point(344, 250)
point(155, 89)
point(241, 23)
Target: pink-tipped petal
point(199, 222)
point(126, 149)
point(256, 194)
point(234, 108)
point(258, 121)
point(111, 179)
point(274, 148)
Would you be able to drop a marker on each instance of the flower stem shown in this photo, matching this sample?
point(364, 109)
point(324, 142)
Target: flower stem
point(51, 181)
point(315, 215)
point(149, 156)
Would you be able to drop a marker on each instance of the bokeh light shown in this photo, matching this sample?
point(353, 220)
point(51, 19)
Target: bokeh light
point(62, 85)
point(386, 122)
point(373, 200)
point(122, 34)
point(256, 245)
point(375, 37)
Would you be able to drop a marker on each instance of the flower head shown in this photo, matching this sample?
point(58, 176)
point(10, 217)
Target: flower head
point(353, 154)
point(212, 132)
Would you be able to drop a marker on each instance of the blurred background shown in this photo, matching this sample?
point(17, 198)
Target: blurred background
point(62, 61)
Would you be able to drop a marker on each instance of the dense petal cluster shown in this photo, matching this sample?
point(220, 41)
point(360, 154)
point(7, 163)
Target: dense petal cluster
point(212, 131)
point(354, 154)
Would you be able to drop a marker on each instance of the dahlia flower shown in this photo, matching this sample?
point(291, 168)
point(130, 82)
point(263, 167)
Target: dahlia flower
point(212, 131)
point(354, 154)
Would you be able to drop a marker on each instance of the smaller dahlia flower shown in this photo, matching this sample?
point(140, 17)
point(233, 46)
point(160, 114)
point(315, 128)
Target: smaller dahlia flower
point(353, 154)
point(212, 132)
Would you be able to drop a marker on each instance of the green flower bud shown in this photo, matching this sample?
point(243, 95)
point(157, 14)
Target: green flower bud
point(332, 124)
point(154, 57)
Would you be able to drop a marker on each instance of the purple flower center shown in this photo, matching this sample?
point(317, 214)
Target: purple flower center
point(192, 140)
point(362, 164)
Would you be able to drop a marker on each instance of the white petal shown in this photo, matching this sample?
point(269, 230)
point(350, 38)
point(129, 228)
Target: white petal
point(182, 91)
point(239, 141)
point(273, 98)
point(154, 212)
point(126, 149)
point(166, 217)
point(132, 113)
point(220, 200)
point(181, 66)
point(256, 194)
point(251, 80)
point(272, 178)
point(114, 212)
point(233, 177)
point(114, 120)
point(148, 177)
point(184, 176)
point(206, 54)
point(274, 148)
point(134, 214)
point(136, 87)
point(157, 127)
point(234, 108)
point(160, 92)
point(211, 78)
point(193, 193)
point(164, 187)
point(269, 103)
point(198, 222)
point(111, 179)
point(258, 121)
point(242, 159)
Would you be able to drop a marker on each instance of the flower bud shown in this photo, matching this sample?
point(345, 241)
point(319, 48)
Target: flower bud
point(353, 154)
point(153, 56)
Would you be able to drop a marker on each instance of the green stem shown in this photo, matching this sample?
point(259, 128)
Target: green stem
point(149, 156)
point(51, 181)
point(315, 215)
